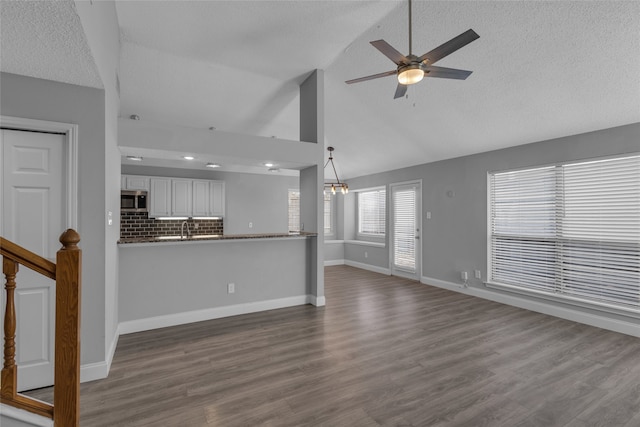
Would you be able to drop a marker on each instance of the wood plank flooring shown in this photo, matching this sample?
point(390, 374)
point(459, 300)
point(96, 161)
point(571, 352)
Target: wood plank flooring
point(385, 351)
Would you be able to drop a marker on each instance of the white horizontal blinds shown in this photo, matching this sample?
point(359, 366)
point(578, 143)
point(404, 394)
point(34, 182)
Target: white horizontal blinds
point(573, 230)
point(371, 212)
point(294, 210)
point(602, 200)
point(404, 228)
point(523, 225)
point(600, 234)
point(327, 213)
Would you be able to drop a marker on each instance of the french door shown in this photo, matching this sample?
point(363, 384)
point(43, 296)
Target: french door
point(405, 230)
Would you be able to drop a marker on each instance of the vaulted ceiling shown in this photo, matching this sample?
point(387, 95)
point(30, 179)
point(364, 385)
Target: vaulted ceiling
point(540, 69)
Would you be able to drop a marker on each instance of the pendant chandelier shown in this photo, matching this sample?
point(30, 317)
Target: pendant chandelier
point(337, 185)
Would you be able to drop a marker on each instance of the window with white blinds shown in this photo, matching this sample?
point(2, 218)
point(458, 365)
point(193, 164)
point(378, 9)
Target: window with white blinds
point(372, 212)
point(571, 230)
point(327, 213)
point(294, 210)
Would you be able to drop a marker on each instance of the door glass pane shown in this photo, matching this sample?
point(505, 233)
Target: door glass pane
point(404, 228)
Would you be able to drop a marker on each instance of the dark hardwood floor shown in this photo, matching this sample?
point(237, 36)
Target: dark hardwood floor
point(384, 351)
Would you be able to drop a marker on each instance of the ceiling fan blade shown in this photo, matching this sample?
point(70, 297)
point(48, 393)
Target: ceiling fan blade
point(400, 91)
point(446, 73)
point(449, 47)
point(375, 76)
point(390, 52)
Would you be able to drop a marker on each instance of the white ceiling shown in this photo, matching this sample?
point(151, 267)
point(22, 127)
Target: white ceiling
point(540, 70)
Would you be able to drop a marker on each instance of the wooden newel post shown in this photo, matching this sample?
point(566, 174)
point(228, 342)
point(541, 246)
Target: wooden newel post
point(9, 369)
point(66, 399)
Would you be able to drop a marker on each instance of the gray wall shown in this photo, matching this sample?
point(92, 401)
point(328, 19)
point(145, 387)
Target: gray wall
point(153, 279)
point(455, 238)
point(39, 99)
point(260, 199)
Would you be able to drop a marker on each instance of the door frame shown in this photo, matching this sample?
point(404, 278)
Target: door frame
point(392, 270)
point(71, 159)
point(70, 173)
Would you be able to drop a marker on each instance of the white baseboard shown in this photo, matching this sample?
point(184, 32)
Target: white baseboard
point(369, 267)
point(22, 417)
point(317, 301)
point(100, 370)
point(331, 262)
point(592, 319)
point(157, 322)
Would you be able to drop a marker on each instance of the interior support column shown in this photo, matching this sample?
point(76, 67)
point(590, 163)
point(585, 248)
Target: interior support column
point(312, 179)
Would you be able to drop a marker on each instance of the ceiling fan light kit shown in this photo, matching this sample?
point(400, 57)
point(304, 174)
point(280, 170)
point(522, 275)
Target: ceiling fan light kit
point(411, 68)
point(411, 74)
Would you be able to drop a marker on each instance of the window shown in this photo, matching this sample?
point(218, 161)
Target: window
point(327, 214)
point(372, 212)
point(294, 210)
point(570, 230)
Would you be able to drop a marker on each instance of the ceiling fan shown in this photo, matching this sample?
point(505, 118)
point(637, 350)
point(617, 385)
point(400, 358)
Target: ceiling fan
point(411, 68)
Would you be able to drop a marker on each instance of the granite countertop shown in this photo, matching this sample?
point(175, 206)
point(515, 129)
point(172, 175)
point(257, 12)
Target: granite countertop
point(206, 237)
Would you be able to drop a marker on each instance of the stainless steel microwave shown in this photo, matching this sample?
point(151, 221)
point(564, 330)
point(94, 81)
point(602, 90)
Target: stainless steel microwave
point(133, 201)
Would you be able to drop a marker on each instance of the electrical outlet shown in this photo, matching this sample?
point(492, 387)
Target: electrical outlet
point(366, 254)
point(231, 288)
point(196, 226)
point(464, 276)
point(250, 225)
point(478, 274)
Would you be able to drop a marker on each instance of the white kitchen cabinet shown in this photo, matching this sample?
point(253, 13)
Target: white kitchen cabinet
point(160, 197)
point(201, 192)
point(136, 182)
point(216, 198)
point(181, 197)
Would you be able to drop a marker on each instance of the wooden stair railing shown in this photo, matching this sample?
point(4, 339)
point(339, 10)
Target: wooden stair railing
point(65, 411)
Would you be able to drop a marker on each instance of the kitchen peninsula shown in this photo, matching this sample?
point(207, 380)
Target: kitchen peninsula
point(172, 281)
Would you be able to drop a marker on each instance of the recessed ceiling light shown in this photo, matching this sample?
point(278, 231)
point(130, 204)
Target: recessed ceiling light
point(212, 165)
point(135, 158)
point(188, 157)
point(268, 165)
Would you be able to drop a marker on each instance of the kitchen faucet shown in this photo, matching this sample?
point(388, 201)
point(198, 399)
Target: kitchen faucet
point(182, 229)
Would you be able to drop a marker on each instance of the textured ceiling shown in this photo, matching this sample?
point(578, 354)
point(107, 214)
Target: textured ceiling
point(45, 40)
point(540, 70)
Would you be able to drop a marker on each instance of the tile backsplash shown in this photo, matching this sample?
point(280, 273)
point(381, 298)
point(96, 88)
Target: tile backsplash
point(138, 224)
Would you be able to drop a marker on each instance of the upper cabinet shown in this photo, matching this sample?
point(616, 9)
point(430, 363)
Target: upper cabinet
point(180, 197)
point(200, 205)
point(216, 198)
point(159, 197)
point(135, 182)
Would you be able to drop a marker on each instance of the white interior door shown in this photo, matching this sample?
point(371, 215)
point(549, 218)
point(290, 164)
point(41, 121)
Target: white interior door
point(33, 216)
point(405, 230)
